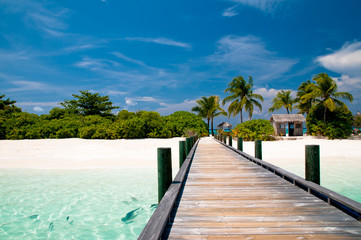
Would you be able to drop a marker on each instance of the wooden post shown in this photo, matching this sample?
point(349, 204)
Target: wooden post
point(230, 141)
point(188, 145)
point(164, 171)
point(258, 149)
point(225, 139)
point(182, 153)
point(313, 163)
point(240, 144)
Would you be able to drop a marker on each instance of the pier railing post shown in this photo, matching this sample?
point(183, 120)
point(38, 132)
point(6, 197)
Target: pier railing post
point(188, 145)
point(240, 144)
point(313, 163)
point(182, 152)
point(225, 139)
point(230, 141)
point(164, 171)
point(258, 149)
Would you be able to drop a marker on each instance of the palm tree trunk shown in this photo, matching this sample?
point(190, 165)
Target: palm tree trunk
point(208, 124)
point(241, 117)
point(288, 112)
point(212, 126)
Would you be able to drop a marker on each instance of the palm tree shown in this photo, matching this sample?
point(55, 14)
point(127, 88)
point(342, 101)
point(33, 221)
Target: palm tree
point(209, 108)
point(242, 96)
point(283, 99)
point(304, 105)
point(324, 91)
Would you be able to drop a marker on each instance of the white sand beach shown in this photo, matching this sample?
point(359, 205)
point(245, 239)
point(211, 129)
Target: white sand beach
point(142, 153)
point(81, 153)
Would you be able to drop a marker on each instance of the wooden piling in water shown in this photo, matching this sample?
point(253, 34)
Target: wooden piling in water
point(188, 145)
point(258, 149)
point(230, 141)
point(312, 165)
point(164, 171)
point(182, 152)
point(240, 144)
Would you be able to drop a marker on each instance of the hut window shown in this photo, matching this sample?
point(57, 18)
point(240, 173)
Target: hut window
point(298, 125)
point(280, 125)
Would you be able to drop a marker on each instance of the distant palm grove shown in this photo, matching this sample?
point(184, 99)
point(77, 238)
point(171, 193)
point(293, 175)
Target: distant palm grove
point(90, 116)
point(327, 114)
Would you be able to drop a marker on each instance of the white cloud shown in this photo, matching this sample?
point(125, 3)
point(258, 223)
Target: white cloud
point(28, 86)
point(346, 60)
point(162, 41)
point(48, 19)
point(134, 101)
point(92, 63)
point(170, 108)
point(130, 102)
point(267, 6)
point(131, 60)
point(112, 92)
point(230, 12)
point(248, 55)
point(38, 109)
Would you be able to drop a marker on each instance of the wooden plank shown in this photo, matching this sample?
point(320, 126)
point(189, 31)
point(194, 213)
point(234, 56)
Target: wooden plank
point(228, 197)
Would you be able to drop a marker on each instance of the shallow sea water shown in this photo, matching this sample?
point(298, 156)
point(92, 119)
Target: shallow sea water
point(76, 204)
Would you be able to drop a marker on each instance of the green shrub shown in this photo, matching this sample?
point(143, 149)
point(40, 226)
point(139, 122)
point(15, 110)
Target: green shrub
point(179, 121)
point(338, 123)
point(252, 130)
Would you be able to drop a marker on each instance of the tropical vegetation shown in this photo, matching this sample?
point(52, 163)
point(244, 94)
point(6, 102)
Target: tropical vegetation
point(323, 91)
point(242, 97)
point(93, 120)
point(209, 108)
point(259, 129)
point(283, 99)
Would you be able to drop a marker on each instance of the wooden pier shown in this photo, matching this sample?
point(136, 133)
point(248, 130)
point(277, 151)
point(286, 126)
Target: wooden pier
point(220, 194)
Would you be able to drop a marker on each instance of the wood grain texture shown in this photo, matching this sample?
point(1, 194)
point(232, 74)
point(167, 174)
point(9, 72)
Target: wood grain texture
point(227, 196)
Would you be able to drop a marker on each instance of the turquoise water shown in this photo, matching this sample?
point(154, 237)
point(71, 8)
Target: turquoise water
point(76, 204)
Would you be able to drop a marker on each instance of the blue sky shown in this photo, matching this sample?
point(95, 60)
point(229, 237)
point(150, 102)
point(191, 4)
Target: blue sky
point(164, 55)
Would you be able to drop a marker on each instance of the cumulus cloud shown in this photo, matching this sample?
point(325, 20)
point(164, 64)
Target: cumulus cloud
point(38, 109)
point(346, 60)
point(248, 54)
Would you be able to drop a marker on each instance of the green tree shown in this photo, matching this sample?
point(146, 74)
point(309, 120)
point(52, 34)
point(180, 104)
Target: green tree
point(339, 124)
point(7, 105)
point(324, 91)
point(209, 108)
point(242, 96)
point(283, 99)
point(304, 104)
point(89, 104)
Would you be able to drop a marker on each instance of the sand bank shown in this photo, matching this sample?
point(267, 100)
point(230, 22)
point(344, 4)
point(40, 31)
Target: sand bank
point(81, 153)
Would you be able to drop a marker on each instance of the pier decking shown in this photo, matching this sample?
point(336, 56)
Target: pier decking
point(226, 196)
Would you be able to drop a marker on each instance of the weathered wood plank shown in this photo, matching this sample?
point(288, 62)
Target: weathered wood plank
point(229, 197)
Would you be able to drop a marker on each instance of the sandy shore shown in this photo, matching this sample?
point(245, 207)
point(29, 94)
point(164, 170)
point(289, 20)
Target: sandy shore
point(81, 153)
point(142, 153)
